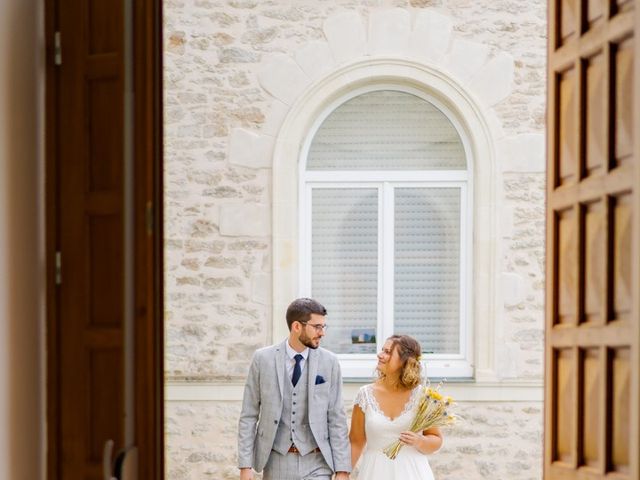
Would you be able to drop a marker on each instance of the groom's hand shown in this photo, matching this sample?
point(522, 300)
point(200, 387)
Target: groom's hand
point(342, 476)
point(246, 474)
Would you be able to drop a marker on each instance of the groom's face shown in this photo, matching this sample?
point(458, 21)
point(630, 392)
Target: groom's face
point(313, 331)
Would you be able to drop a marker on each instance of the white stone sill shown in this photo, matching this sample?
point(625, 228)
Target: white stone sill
point(461, 391)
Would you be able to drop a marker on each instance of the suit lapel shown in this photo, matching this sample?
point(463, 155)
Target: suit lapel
point(280, 354)
point(313, 371)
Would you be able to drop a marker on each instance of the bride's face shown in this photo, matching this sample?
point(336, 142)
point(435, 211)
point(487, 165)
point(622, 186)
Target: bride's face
point(388, 359)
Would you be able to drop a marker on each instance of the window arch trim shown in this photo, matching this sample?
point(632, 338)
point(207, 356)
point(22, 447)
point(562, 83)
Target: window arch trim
point(472, 116)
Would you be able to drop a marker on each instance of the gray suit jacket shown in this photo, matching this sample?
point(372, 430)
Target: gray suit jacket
point(262, 407)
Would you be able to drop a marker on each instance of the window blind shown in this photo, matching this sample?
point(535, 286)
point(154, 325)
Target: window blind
point(386, 130)
point(427, 267)
point(344, 270)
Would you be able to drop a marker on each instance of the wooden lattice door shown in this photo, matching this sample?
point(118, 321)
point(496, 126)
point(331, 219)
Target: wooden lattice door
point(104, 240)
point(592, 402)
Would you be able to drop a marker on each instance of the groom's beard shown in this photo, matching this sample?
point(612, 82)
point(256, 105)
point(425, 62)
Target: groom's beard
point(309, 342)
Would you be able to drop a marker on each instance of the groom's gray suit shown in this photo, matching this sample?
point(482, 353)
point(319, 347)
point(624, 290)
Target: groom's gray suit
point(272, 405)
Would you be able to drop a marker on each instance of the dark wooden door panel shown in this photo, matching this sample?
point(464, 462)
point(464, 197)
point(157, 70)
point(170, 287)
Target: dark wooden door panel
point(592, 411)
point(85, 217)
point(91, 225)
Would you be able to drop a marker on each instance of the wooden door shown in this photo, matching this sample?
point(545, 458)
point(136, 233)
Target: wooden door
point(104, 236)
point(592, 401)
point(92, 234)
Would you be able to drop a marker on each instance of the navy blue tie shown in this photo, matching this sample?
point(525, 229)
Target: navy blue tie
point(297, 371)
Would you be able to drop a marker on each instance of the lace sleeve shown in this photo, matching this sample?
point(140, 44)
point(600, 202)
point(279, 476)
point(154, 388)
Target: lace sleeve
point(361, 398)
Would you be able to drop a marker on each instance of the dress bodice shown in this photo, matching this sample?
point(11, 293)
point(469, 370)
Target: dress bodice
point(381, 430)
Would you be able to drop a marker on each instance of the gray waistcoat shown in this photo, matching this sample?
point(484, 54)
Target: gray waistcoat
point(294, 421)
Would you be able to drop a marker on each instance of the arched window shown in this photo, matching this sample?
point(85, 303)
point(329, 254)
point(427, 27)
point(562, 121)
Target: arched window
point(385, 227)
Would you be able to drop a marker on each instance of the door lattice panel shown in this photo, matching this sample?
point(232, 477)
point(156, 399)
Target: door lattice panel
point(593, 237)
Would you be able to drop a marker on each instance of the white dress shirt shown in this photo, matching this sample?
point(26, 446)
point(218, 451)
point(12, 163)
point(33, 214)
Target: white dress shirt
point(291, 362)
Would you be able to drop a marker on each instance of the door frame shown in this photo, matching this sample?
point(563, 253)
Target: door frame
point(148, 240)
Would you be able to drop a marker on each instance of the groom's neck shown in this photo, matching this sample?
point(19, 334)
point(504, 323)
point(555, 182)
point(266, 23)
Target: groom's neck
point(296, 344)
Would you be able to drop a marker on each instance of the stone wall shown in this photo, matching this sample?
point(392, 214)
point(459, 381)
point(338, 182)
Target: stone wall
point(495, 441)
point(220, 121)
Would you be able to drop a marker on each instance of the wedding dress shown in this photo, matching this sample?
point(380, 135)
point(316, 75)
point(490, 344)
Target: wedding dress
point(381, 431)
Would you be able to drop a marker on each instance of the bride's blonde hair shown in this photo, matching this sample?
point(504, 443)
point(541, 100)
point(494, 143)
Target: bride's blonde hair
point(409, 351)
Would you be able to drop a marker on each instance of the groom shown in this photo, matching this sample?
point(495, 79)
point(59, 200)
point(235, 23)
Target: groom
point(292, 422)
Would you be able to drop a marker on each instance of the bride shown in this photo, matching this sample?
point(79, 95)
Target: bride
point(383, 412)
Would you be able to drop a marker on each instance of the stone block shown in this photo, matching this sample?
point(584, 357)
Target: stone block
point(237, 55)
point(214, 283)
point(346, 36)
point(196, 246)
point(250, 149)
point(275, 116)
point(389, 31)
point(466, 58)
point(315, 58)
point(494, 81)
point(514, 288)
point(281, 76)
point(507, 355)
point(243, 220)
point(506, 222)
point(221, 262)
point(221, 192)
point(247, 246)
point(261, 288)
point(259, 36)
point(495, 124)
point(523, 153)
point(201, 228)
point(431, 35)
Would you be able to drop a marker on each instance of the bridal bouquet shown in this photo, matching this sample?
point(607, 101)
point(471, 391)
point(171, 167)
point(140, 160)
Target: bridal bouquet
point(434, 410)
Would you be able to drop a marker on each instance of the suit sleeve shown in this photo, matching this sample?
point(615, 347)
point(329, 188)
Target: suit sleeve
point(337, 419)
point(249, 416)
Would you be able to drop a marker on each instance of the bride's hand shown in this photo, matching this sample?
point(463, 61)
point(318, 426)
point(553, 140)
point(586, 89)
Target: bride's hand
point(411, 438)
point(426, 442)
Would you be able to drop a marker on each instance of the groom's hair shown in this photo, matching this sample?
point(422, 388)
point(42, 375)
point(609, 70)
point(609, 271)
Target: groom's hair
point(300, 310)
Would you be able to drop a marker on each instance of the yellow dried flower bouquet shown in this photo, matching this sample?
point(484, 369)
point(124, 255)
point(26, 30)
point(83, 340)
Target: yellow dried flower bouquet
point(434, 410)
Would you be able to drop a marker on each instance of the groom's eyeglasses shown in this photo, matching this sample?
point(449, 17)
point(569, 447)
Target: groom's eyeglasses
point(320, 327)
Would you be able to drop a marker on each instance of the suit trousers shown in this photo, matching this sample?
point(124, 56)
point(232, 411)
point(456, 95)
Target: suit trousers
point(294, 466)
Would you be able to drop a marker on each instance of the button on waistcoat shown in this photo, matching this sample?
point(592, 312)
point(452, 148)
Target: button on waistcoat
point(294, 421)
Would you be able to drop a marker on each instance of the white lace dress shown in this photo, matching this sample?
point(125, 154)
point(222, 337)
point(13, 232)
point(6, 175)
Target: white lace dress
point(381, 431)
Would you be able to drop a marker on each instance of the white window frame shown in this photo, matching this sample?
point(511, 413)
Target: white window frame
point(359, 366)
point(483, 132)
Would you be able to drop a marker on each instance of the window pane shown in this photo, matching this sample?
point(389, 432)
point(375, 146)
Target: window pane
point(345, 265)
point(427, 267)
point(386, 130)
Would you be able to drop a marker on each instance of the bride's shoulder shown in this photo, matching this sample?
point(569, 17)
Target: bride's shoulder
point(370, 389)
point(363, 397)
point(365, 390)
